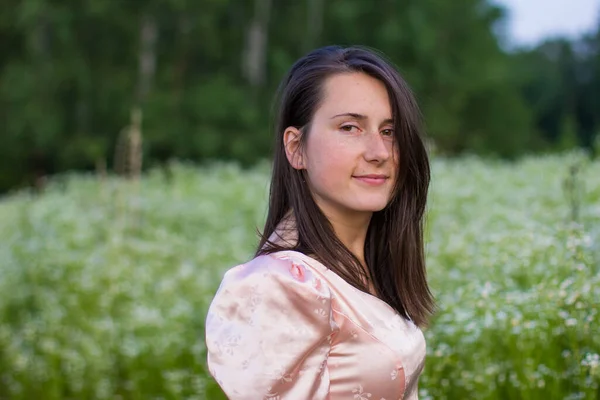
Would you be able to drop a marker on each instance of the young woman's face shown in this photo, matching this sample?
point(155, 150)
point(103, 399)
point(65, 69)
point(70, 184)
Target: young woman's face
point(350, 155)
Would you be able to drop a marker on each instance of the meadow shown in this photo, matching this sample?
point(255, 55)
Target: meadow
point(105, 282)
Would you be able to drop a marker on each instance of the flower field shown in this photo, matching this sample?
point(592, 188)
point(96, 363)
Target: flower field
point(105, 283)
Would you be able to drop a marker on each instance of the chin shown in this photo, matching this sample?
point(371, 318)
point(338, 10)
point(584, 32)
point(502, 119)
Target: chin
point(371, 206)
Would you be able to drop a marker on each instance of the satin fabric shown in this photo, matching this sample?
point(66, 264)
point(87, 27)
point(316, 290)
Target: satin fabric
point(284, 326)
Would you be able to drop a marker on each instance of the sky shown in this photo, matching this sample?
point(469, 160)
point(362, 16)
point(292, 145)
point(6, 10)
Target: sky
point(530, 21)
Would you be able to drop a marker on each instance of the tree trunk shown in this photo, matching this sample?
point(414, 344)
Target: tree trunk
point(254, 61)
point(147, 57)
point(314, 23)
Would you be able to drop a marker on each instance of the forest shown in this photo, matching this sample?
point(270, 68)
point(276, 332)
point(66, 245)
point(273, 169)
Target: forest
point(196, 79)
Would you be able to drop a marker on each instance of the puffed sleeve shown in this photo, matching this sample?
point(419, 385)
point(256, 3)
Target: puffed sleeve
point(269, 330)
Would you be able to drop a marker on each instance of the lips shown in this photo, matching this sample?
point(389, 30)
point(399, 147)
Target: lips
point(372, 179)
point(372, 176)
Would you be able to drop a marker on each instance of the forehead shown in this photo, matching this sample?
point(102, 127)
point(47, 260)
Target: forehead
point(355, 92)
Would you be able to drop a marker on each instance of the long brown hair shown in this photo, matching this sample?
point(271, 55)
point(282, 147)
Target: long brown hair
point(394, 251)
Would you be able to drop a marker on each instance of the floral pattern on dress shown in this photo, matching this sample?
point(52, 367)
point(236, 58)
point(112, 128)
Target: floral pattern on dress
point(284, 327)
point(360, 394)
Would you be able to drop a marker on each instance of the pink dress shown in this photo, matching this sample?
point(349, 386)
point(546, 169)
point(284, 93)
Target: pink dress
point(284, 326)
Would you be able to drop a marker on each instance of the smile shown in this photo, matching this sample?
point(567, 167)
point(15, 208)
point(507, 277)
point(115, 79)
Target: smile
point(373, 180)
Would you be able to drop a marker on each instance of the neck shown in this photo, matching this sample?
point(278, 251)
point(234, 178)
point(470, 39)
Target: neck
point(351, 230)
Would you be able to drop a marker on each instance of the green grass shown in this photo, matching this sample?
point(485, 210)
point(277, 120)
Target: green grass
point(105, 284)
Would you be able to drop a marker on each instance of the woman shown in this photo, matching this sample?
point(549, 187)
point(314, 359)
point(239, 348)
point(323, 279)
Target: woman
point(330, 307)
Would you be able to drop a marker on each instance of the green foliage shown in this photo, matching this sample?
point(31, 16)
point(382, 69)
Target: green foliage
point(559, 80)
point(514, 276)
point(568, 134)
point(71, 73)
point(105, 283)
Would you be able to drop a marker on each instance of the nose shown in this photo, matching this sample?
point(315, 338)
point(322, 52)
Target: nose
point(377, 150)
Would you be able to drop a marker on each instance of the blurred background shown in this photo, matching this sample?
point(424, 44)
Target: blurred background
point(135, 140)
point(501, 78)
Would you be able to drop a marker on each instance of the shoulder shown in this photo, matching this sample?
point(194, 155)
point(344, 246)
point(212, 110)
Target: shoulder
point(271, 317)
point(275, 270)
point(276, 282)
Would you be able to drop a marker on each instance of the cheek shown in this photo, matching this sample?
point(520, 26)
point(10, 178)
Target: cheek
point(329, 164)
point(329, 169)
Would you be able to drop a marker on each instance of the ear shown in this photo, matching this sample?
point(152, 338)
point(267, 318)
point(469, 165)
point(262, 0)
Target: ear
point(293, 150)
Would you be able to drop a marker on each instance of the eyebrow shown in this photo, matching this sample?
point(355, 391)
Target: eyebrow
point(361, 117)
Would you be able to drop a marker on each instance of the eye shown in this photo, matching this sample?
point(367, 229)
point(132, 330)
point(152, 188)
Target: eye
point(349, 128)
point(388, 132)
